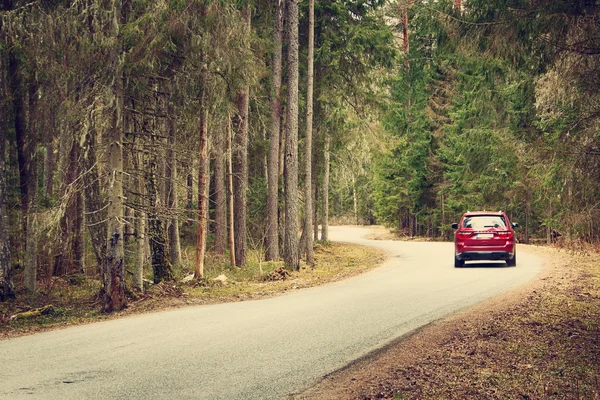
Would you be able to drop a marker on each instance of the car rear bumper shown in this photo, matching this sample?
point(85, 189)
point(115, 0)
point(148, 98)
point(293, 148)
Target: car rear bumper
point(485, 255)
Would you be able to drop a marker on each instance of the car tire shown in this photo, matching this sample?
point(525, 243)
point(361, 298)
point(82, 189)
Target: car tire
point(458, 263)
point(512, 262)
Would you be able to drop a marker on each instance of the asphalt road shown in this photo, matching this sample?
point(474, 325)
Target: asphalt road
point(263, 349)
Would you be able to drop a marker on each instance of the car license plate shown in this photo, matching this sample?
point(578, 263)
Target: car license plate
point(485, 235)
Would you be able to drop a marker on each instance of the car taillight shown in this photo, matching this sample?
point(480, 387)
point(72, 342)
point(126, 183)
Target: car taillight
point(505, 234)
point(463, 234)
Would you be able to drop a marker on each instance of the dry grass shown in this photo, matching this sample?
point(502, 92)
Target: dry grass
point(542, 342)
point(76, 301)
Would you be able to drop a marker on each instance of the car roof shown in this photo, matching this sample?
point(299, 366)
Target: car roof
point(474, 213)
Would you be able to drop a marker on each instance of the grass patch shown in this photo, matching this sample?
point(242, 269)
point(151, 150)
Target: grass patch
point(75, 300)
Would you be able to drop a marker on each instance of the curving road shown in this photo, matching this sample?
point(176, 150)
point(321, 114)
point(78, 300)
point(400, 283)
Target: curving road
point(264, 349)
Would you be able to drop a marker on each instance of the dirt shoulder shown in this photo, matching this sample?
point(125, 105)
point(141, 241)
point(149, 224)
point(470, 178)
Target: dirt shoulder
point(541, 340)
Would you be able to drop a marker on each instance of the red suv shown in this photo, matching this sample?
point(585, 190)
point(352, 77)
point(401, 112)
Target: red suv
point(484, 235)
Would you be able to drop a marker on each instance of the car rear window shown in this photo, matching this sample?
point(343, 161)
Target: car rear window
point(484, 222)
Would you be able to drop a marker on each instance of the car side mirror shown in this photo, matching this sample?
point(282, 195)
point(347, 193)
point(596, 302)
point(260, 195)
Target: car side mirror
point(455, 226)
point(515, 225)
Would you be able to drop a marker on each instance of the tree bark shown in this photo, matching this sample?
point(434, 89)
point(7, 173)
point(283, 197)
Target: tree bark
point(140, 232)
point(24, 160)
point(308, 221)
point(161, 266)
point(230, 193)
point(291, 258)
point(325, 195)
point(272, 236)
point(203, 179)
point(6, 282)
point(16, 89)
point(114, 284)
point(33, 138)
point(171, 189)
point(220, 195)
point(241, 162)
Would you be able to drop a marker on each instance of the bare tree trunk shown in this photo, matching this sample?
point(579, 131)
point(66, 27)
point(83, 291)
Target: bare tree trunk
point(128, 225)
point(171, 189)
point(291, 258)
point(220, 195)
point(114, 283)
point(241, 162)
point(31, 240)
point(24, 158)
point(161, 265)
point(140, 231)
point(308, 224)
point(230, 193)
point(272, 237)
point(16, 89)
point(325, 208)
point(6, 282)
point(203, 179)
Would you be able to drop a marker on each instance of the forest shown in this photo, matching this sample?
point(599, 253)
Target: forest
point(138, 137)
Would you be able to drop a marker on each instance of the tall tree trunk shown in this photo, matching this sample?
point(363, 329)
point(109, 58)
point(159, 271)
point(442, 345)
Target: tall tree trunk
point(203, 179)
point(140, 230)
point(171, 189)
point(18, 103)
point(6, 282)
point(325, 195)
point(25, 168)
point(272, 236)
point(241, 162)
point(308, 221)
point(31, 240)
point(161, 266)
point(114, 282)
point(291, 258)
point(230, 193)
point(220, 195)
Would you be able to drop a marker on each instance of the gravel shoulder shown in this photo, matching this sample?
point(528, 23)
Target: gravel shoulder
point(541, 340)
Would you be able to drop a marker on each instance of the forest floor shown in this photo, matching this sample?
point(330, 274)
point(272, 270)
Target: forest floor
point(62, 302)
point(541, 341)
